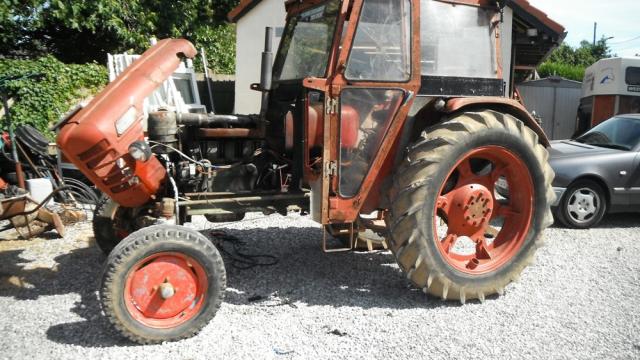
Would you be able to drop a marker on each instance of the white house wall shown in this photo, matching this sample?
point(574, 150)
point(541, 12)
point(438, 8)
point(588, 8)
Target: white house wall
point(250, 44)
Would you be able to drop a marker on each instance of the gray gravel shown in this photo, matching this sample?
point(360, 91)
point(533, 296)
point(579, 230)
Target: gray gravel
point(578, 301)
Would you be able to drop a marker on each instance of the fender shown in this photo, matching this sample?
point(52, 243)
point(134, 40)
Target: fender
point(505, 105)
point(427, 116)
point(96, 139)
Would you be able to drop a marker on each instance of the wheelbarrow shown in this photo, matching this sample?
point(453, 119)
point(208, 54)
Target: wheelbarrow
point(28, 217)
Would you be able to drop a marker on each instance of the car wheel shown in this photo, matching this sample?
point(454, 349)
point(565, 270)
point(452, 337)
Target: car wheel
point(583, 205)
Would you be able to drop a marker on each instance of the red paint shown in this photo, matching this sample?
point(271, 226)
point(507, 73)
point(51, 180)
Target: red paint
point(506, 105)
point(349, 127)
point(143, 297)
point(6, 139)
point(603, 108)
point(349, 122)
point(90, 141)
point(471, 204)
point(473, 211)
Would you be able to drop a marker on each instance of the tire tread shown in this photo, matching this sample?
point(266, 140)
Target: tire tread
point(412, 181)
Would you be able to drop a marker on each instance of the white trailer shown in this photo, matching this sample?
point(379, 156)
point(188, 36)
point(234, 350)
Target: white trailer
point(610, 87)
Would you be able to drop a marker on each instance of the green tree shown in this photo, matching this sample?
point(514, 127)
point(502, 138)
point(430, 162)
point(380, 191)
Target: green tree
point(79, 31)
point(571, 63)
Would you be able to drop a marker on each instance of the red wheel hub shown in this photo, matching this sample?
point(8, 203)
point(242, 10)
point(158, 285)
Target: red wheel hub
point(493, 229)
point(471, 210)
point(165, 290)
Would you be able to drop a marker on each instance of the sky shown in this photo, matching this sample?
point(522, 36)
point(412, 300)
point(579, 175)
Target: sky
point(617, 18)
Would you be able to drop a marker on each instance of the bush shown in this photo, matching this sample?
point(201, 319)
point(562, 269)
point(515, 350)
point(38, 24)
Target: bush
point(571, 72)
point(41, 102)
point(219, 43)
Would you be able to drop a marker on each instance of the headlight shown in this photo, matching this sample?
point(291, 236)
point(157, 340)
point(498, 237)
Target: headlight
point(140, 151)
point(126, 120)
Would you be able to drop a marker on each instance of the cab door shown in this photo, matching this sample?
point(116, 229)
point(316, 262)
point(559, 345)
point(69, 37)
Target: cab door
point(368, 98)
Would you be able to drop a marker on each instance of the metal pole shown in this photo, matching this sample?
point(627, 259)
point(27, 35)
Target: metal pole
point(595, 30)
point(266, 73)
point(206, 77)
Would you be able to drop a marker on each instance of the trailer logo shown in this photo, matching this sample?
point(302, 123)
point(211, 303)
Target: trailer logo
point(607, 76)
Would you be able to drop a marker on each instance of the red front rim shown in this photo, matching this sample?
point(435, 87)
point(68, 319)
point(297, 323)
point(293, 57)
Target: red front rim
point(478, 230)
point(165, 290)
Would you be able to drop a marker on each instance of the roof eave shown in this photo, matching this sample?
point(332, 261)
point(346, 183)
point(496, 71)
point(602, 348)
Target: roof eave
point(242, 9)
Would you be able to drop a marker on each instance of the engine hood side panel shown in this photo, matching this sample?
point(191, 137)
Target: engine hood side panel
point(91, 141)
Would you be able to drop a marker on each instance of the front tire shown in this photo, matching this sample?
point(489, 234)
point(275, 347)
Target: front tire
point(583, 205)
point(111, 224)
point(451, 233)
point(162, 283)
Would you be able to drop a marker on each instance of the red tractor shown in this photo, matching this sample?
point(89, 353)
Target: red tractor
point(369, 106)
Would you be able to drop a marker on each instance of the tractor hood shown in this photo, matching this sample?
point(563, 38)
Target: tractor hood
point(96, 139)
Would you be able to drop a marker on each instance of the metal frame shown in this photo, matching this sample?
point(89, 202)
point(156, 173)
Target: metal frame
point(226, 203)
point(336, 208)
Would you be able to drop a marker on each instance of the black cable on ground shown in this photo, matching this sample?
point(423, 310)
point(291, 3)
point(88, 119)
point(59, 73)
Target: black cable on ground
point(237, 254)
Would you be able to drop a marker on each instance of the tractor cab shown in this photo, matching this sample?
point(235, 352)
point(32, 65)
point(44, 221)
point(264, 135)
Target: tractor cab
point(348, 76)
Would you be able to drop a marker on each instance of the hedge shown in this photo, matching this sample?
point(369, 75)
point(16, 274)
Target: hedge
point(571, 72)
point(41, 102)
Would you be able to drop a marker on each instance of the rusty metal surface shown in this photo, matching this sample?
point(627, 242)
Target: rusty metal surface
point(13, 206)
point(352, 236)
point(225, 203)
point(90, 140)
point(245, 199)
point(28, 217)
point(205, 133)
point(510, 105)
point(339, 209)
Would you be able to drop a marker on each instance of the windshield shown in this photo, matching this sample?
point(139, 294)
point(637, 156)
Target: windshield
point(306, 43)
point(617, 133)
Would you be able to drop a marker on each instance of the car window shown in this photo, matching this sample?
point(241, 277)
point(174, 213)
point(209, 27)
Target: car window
point(618, 133)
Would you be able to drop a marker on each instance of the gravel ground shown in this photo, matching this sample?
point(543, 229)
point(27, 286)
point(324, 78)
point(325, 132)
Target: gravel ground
point(578, 301)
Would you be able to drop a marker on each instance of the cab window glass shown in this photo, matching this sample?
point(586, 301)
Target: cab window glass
point(381, 46)
point(457, 40)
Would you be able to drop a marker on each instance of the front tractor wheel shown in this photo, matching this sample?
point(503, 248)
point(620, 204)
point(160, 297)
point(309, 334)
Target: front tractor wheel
point(111, 224)
point(453, 234)
point(162, 283)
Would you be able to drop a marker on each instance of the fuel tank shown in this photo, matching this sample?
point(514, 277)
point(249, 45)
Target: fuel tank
point(97, 138)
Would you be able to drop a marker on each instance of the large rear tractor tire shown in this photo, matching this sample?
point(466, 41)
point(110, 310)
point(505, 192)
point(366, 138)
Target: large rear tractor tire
point(452, 234)
point(162, 283)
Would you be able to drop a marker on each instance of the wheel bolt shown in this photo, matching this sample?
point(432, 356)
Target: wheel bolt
point(167, 290)
point(473, 264)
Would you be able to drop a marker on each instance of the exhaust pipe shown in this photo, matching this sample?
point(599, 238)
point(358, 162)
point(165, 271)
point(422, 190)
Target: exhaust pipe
point(171, 119)
point(266, 71)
